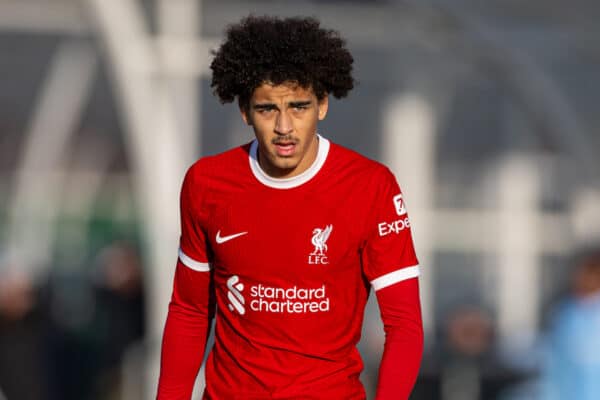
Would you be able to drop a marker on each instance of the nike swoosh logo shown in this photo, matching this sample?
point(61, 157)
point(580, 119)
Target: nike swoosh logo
point(222, 239)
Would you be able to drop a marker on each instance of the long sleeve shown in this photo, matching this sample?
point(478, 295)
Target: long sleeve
point(192, 304)
point(186, 331)
point(401, 315)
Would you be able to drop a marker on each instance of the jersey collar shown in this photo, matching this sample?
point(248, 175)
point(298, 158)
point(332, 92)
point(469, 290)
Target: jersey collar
point(288, 183)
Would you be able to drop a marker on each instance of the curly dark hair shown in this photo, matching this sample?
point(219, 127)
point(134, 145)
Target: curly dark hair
point(277, 50)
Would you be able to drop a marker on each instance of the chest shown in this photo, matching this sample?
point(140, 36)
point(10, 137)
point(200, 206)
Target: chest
point(283, 236)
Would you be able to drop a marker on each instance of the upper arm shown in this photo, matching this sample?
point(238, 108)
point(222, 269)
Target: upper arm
point(388, 255)
point(193, 246)
point(193, 276)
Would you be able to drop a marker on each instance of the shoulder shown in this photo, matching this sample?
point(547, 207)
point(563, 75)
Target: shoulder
point(349, 162)
point(219, 165)
point(216, 172)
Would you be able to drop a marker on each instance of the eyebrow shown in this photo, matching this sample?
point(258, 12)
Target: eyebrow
point(264, 106)
point(300, 103)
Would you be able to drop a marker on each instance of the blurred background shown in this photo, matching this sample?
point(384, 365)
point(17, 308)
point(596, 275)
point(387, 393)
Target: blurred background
point(487, 111)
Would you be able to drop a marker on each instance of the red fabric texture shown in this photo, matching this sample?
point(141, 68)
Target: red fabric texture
point(401, 314)
point(186, 332)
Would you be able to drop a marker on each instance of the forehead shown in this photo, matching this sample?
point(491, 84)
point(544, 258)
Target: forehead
point(286, 91)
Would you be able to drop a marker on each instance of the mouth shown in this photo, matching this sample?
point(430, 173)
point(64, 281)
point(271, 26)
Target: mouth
point(285, 148)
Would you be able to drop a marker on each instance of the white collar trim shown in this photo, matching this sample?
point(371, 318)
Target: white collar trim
point(294, 181)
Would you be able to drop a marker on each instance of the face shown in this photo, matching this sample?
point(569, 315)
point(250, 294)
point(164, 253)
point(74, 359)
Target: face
point(284, 118)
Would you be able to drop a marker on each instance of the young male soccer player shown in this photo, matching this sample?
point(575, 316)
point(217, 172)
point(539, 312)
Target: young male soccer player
point(286, 235)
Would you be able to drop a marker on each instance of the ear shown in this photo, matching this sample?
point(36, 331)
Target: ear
point(323, 106)
point(245, 115)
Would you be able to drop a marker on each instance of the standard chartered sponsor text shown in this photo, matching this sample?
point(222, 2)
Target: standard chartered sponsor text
point(290, 300)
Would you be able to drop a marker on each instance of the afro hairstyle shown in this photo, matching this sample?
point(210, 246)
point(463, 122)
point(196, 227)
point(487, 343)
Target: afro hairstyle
point(277, 50)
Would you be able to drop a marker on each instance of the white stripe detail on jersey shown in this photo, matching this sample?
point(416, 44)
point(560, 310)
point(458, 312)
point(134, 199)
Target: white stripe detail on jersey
point(288, 183)
point(193, 264)
point(395, 277)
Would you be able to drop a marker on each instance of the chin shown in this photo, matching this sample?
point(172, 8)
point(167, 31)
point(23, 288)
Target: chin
point(284, 162)
point(287, 167)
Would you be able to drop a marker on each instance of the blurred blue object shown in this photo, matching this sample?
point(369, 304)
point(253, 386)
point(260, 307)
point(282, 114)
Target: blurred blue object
point(572, 369)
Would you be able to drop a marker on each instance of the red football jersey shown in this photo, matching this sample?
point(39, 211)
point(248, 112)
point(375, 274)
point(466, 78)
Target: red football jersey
point(289, 264)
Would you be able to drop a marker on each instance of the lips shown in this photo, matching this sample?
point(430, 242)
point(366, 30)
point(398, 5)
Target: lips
point(285, 148)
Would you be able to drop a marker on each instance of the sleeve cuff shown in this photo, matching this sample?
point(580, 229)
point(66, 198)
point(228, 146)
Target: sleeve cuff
point(193, 264)
point(395, 277)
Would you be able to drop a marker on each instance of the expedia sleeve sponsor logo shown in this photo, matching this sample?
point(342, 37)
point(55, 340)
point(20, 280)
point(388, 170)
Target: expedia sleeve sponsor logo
point(386, 228)
point(399, 205)
point(293, 300)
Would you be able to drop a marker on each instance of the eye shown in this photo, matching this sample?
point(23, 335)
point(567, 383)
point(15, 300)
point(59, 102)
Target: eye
point(265, 110)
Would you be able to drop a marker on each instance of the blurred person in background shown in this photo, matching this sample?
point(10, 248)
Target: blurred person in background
point(286, 235)
point(22, 372)
point(469, 339)
point(120, 306)
point(466, 365)
point(473, 368)
point(572, 369)
point(95, 318)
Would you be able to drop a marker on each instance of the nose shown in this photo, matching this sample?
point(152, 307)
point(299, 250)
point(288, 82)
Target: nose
point(283, 124)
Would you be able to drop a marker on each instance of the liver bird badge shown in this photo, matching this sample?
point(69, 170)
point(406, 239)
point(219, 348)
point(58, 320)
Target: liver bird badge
point(319, 239)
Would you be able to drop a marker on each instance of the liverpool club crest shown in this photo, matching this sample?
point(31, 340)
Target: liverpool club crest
point(319, 240)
